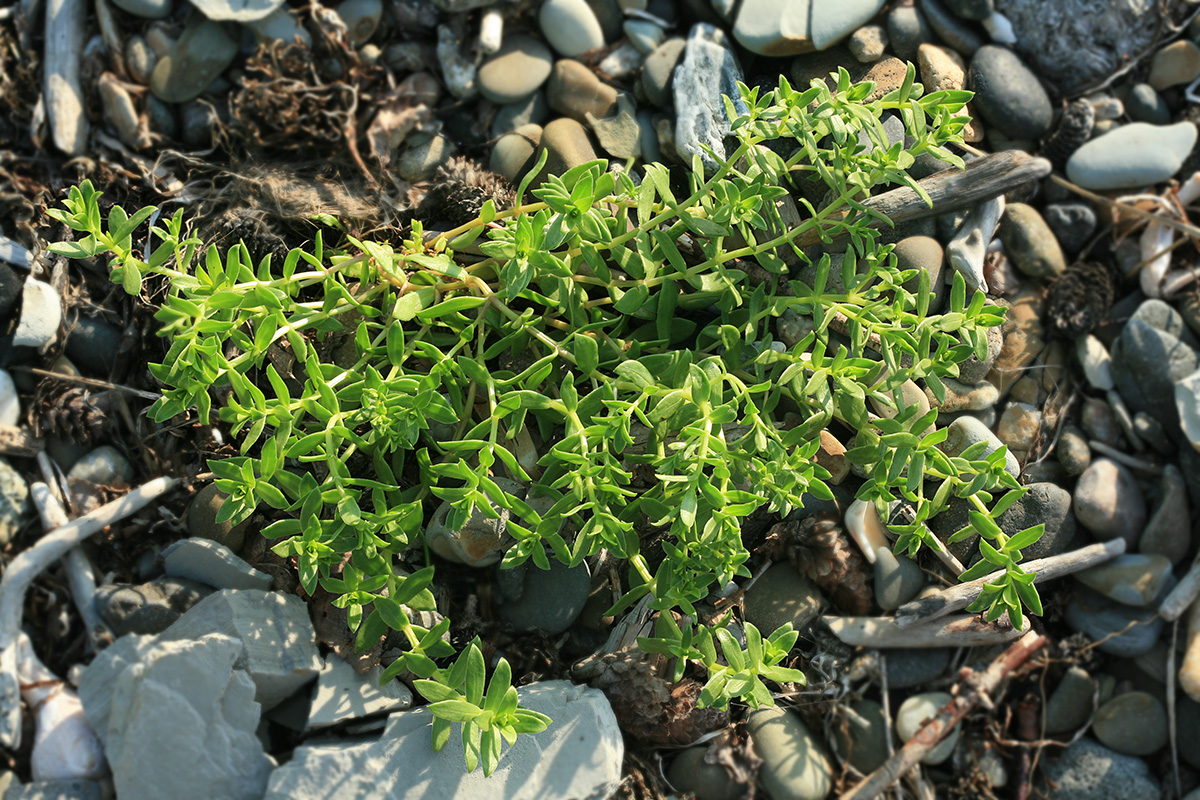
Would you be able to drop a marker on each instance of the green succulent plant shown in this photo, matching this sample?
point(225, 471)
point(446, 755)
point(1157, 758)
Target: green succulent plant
point(626, 321)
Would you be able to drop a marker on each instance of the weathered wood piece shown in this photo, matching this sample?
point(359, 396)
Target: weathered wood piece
point(983, 179)
point(973, 688)
point(959, 597)
point(964, 630)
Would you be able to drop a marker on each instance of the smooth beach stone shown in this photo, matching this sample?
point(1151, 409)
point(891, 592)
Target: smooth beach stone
point(201, 519)
point(913, 714)
point(1134, 579)
point(1105, 621)
point(1134, 723)
point(517, 69)
point(570, 26)
point(147, 9)
point(200, 54)
point(1072, 451)
point(1070, 706)
point(658, 70)
point(862, 738)
point(1132, 156)
point(530, 110)
point(957, 33)
point(963, 397)
point(10, 403)
point(609, 15)
point(1177, 63)
point(966, 431)
point(1143, 104)
point(1147, 365)
point(549, 600)
point(780, 596)
point(1008, 94)
point(791, 27)
point(1096, 362)
point(907, 31)
point(423, 155)
point(282, 26)
point(574, 90)
point(513, 154)
point(567, 143)
point(1030, 244)
point(691, 774)
point(897, 579)
point(1073, 224)
point(1168, 533)
point(795, 765)
point(1109, 502)
point(645, 36)
point(923, 253)
point(868, 43)
point(1090, 771)
point(975, 10)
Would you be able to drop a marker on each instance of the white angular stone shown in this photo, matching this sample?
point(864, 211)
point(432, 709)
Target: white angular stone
point(10, 404)
point(212, 563)
point(183, 725)
point(707, 72)
point(577, 758)
point(278, 641)
point(342, 694)
point(41, 314)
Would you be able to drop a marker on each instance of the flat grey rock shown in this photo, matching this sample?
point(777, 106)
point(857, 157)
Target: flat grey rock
point(341, 694)
point(183, 725)
point(1090, 771)
point(212, 563)
point(1097, 616)
point(55, 790)
point(99, 678)
point(279, 649)
point(1133, 155)
point(577, 758)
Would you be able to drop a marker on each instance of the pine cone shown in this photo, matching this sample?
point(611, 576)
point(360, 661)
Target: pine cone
point(1080, 298)
point(1074, 129)
point(73, 412)
point(648, 707)
point(818, 548)
point(460, 190)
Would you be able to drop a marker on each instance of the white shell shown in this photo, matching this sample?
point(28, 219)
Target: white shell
point(862, 522)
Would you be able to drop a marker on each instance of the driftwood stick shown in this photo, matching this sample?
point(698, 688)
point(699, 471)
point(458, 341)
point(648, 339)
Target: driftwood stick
point(27, 566)
point(972, 689)
point(81, 575)
point(1183, 595)
point(959, 597)
point(964, 630)
point(983, 179)
point(18, 442)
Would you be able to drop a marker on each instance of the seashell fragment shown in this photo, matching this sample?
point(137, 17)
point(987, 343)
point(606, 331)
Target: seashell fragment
point(968, 249)
point(65, 747)
point(862, 522)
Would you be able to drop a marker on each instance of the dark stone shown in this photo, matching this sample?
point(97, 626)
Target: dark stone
point(1073, 224)
point(976, 10)
point(1008, 95)
point(913, 666)
point(959, 35)
point(149, 608)
point(1044, 503)
point(93, 345)
point(10, 293)
point(1146, 363)
point(1143, 104)
point(907, 30)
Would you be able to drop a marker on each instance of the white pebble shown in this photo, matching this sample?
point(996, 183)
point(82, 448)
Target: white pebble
point(41, 314)
point(862, 522)
point(1096, 362)
point(1000, 29)
point(10, 404)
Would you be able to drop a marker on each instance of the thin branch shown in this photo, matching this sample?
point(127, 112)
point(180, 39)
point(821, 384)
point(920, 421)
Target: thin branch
point(959, 597)
point(972, 689)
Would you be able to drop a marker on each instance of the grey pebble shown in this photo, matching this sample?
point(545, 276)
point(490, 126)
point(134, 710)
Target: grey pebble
point(1071, 704)
point(1073, 224)
point(897, 579)
point(907, 30)
point(1008, 95)
point(549, 600)
point(1144, 104)
point(1133, 723)
point(960, 35)
point(1100, 618)
point(1090, 771)
point(150, 607)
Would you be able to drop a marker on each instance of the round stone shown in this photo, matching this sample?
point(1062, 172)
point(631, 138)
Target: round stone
point(912, 716)
point(897, 579)
point(1109, 502)
point(568, 145)
point(658, 70)
point(862, 738)
point(907, 31)
point(549, 600)
point(1070, 706)
point(794, 765)
point(1090, 771)
point(1008, 94)
point(923, 253)
point(645, 36)
point(202, 519)
point(691, 774)
point(868, 43)
point(512, 156)
point(781, 596)
point(1118, 629)
point(1134, 723)
point(1073, 224)
point(361, 18)
point(93, 344)
point(1143, 104)
point(574, 90)
point(1030, 244)
point(1168, 533)
point(1176, 64)
point(570, 26)
point(518, 68)
point(975, 10)
point(909, 667)
point(1131, 156)
point(196, 59)
point(425, 153)
point(1134, 579)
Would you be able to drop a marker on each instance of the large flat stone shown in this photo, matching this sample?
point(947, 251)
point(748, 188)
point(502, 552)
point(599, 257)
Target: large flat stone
point(577, 758)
